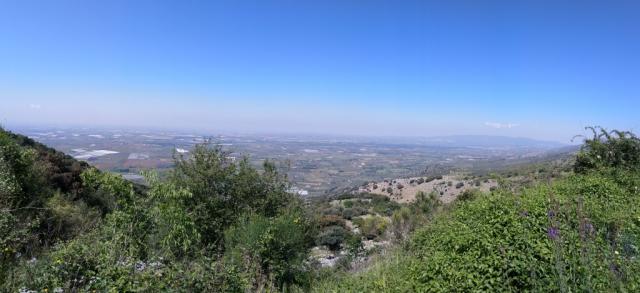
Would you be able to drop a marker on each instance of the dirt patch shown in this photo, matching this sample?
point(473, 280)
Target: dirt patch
point(448, 188)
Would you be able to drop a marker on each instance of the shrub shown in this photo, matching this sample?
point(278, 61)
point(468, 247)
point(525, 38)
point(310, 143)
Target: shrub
point(372, 227)
point(350, 213)
point(469, 194)
point(615, 149)
point(274, 247)
point(459, 185)
point(332, 237)
point(383, 205)
point(426, 203)
point(331, 220)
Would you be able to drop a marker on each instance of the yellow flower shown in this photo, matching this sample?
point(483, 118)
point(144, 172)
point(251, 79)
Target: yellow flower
point(616, 252)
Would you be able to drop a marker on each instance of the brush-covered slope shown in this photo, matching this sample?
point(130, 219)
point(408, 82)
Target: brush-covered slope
point(580, 233)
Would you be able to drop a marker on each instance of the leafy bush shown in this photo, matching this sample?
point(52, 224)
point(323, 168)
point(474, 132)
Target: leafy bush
point(426, 203)
point(332, 237)
point(350, 213)
point(331, 220)
point(469, 194)
point(383, 205)
point(615, 149)
point(221, 189)
point(372, 227)
point(270, 247)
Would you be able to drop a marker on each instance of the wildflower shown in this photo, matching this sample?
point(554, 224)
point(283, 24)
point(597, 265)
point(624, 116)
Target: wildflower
point(616, 252)
point(140, 266)
point(524, 214)
point(553, 233)
point(551, 214)
point(589, 228)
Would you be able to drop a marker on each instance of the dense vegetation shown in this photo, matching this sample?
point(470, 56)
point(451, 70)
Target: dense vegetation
point(213, 225)
point(580, 233)
point(216, 225)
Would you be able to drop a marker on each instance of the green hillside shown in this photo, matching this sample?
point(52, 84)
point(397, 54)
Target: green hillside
point(580, 233)
point(220, 225)
point(213, 225)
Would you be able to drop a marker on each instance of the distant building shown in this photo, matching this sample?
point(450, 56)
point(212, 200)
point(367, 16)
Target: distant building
point(298, 191)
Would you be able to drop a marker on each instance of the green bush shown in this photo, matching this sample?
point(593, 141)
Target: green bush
point(350, 213)
point(332, 237)
point(615, 149)
point(469, 194)
point(372, 227)
point(275, 248)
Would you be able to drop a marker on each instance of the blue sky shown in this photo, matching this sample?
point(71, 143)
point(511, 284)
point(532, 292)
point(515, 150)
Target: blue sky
point(542, 69)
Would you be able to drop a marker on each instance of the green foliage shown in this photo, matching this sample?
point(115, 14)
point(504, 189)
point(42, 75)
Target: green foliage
point(406, 219)
point(222, 190)
point(271, 248)
point(580, 234)
point(373, 226)
point(350, 213)
point(332, 237)
point(115, 192)
point(469, 194)
point(40, 199)
point(426, 203)
point(615, 149)
point(382, 276)
point(169, 238)
point(69, 218)
point(174, 218)
point(382, 205)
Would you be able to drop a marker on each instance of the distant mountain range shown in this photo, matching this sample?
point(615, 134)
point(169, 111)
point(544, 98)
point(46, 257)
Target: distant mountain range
point(488, 141)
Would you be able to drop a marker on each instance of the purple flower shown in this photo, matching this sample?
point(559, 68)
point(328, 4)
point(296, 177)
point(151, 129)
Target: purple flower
point(588, 228)
point(551, 214)
point(553, 233)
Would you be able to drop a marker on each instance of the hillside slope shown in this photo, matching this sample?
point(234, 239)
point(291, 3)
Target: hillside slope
point(580, 233)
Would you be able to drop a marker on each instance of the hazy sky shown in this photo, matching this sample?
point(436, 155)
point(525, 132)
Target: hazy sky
point(542, 69)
